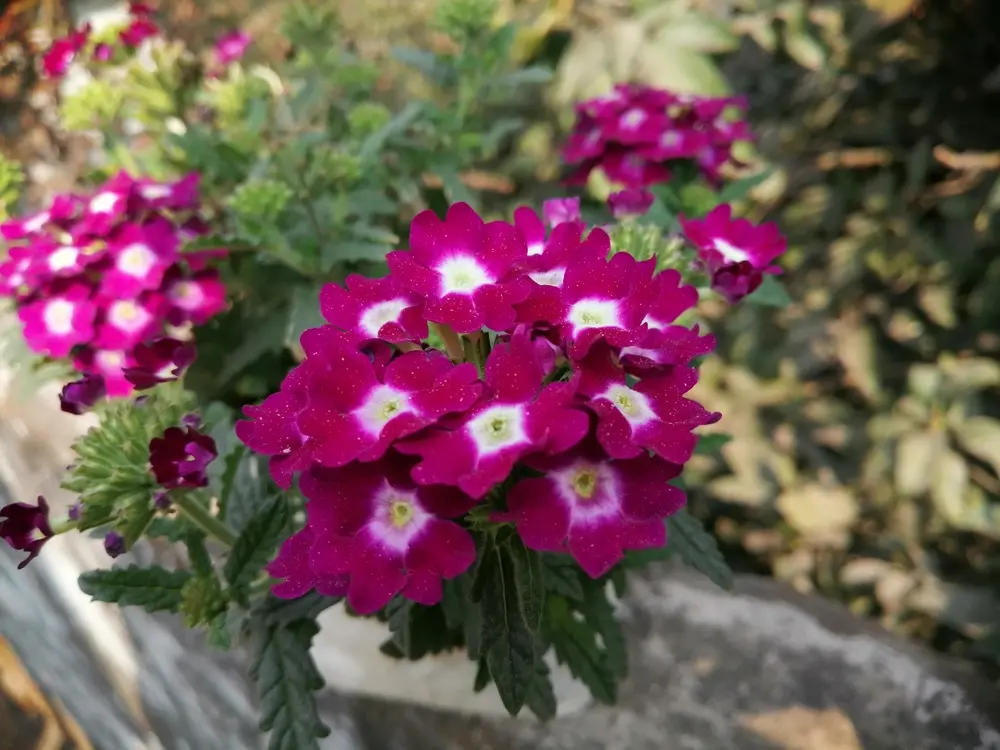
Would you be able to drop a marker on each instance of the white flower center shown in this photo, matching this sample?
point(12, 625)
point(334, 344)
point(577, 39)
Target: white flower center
point(633, 119)
point(381, 313)
point(58, 317)
point(35, 223)
point(155, 192)
point(63, 258)
point(594, 313)
point(591, 490)
point(399, 518)
point(553, 277)
point(730, 252)
point(383, 405)
point(104, 203)
point(127, 316)
point(461, 274)
point(136, 260)
point(633, 405)
point(109, 360)
point(498, 428)
point(536, 248)
point(186, 295)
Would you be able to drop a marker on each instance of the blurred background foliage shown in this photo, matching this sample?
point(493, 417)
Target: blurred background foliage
point(865, 463)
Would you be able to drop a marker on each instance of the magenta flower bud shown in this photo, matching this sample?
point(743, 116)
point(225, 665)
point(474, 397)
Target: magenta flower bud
point(74, 512)
point(230, 47)
point(161, 500)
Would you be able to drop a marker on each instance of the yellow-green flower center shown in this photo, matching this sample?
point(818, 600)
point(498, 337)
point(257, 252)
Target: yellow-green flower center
point(585, 483)
point(400, 513)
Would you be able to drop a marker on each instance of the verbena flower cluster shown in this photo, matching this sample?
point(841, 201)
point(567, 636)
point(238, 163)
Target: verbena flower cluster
point(141, 26)
point(636, 134)
point(101, 279)
point(554, 400)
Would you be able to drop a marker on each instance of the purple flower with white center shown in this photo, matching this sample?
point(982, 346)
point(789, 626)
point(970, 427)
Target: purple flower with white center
point(605, 300)
point(375, 309)
point(54, 325)
point(128, 322)
point(80, 395)
point(518, 416)
point(460, 266)
point(140, 256)
point(355, 413)
point(387, 534)
point(593, 508)
point(651, 415)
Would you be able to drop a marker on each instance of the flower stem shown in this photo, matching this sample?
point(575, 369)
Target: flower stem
point(452, 344)
point(202, 517)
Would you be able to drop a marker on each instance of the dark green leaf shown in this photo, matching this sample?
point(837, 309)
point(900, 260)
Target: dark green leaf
point(528, 582)
point(454, 189)
point(482, 573)
point(600, 615)
point(454, 601)
point(171, 529)
point(256, 544)
point(738, 189)
point(136, 517)
point(509, 645)
point(576, 646)
point(304, 314)
point(396, 126)
point(688, 539)
point(249, 491)
point(366, 202)
point(541, 695)
point(201, 562)
point(562, 576)
point(218, 633)
point(429, 64)
point(473, 627)
point(287, 679)
point(770, 293)
point(483, 678)
point(531, 76)
point(710, 444)
point(155, 589)
point(274, 611)
point(398, 612)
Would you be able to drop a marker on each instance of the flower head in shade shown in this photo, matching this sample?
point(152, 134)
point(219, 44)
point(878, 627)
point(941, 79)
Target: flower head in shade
point(230, 47)
point(159, 361)
point(595, 508)
point(180, 457)
point(460, 266)
point(630, 203)
point(385, 533)
point(26, 527)
point(82, 394)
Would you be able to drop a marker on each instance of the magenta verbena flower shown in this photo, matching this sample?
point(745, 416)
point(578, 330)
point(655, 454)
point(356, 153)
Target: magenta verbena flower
point(356, 413)
point(735, 252)
point(180, 457)
point(630, 203)
point(292, 568)
point(517, 416)
point(460, 266)
point(634, 134)
point(387, 534)
point(26, 527)
point(96, 276)
point(594, 508)
point(231, 46)
point(139, 30)
point(56, 61)
point(82, 394)
point(374, 309)
point(556, 211)
point(652, 415)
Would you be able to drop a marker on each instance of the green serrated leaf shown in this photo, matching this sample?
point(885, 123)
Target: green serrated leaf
point(287, 679)
point(528, 582)
point(256, 544)
point(508, 643)
point(600, 615)
point(712, 443)
point(482, 573)
point(155, 589)
point(541, 698)
point(575, 645)
point(398, 611)
point(770, 293)
point(396, 126)
point(562, 576)
point(688, 539)
point(483, 678)
point(739, 189)
point(201, 561)
point(249, 490)
point(274, 611)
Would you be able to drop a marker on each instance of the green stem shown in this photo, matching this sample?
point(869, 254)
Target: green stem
point(202, 517)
